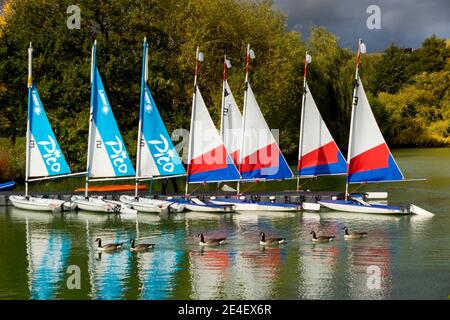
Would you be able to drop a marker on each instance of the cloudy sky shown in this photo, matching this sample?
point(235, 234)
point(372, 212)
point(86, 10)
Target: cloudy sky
point(403, 22)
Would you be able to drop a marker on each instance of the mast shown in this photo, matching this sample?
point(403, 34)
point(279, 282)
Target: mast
point(241, 151)
point(91, 115)
point(222, 132)
point(354, 104)
point(30, 85)
point(194, 101)
point(302, 119)
point(144, 78)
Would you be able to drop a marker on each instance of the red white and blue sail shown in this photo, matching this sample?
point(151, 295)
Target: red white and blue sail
point(158, 156)
point(108, 155)
point(46, 158)
point(209, 159)
point(318, 152)
point(261, 157)
point(370, 158)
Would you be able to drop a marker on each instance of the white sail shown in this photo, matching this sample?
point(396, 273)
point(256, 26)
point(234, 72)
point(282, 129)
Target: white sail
point(318, 152)
point(370, 158)
point(209, 159)
point(232, 124)
point(261, 156)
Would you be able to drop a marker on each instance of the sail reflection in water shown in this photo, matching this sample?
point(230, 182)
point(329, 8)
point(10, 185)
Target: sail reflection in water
point(209, 271)
point(254, 270)
point(108, 272)
point(47, 255)
point(318, 264)
point(157, 269)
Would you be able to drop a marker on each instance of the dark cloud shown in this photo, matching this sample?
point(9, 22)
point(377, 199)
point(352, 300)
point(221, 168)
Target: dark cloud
point(403, 22)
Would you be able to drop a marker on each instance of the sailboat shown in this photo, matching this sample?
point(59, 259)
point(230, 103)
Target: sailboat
point(208, 159)
point(369, 157)
point(318, 153)
point(156, 155)
point(44, 159)
point(107, 156)
point(262, 158)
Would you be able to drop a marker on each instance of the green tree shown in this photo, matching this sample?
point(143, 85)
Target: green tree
point(391, 71)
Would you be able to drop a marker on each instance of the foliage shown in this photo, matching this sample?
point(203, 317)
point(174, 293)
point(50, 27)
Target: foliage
point(400, 84)
point(419, 114)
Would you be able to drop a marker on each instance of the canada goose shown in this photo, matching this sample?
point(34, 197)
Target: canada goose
point(141, 246)
point(210, 242)
point(354, 235)
point(263, 241)
point(109, 246)
point(321, 238)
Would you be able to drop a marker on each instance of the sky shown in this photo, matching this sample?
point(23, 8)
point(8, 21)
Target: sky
point(403, 22)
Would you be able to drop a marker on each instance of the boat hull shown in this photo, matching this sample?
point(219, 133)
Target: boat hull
point(204, 206)
point(99, 205)
point(7, 186)
point(113, 188)
point(357, 207)
point(250, 205)
point(152, 205)
point(36, 204)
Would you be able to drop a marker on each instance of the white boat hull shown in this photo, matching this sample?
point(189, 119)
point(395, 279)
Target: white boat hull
point(310, 206)
point(242, 205)
point(354, 206)
point(197, 205)
point(36, 204)
point(206, 208)
point(152, 205)
point(100, 205)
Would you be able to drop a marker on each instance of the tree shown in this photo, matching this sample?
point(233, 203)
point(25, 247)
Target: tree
point(431, 57)
point(391, 71)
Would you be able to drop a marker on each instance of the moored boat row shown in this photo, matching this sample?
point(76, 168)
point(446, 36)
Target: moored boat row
point(243, 150)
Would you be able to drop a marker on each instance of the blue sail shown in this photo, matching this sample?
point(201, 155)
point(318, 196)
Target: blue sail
point(158, 155)
point(108, 154)
point(46, 158)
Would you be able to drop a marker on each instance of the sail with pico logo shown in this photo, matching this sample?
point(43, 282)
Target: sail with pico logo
point(46, 158)
point(108, 156)
point(158, 156)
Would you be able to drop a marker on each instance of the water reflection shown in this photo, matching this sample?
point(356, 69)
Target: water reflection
point(411, 253)
point(47, 254)
point(157, 269)
point(108, 271)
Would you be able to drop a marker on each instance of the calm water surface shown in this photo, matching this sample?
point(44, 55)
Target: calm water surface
point(412, 253)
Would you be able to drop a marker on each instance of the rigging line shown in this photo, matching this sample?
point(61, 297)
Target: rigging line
point(252, 185)
point(195, 189)
point(304, 183)
point(358, 187)
point(421, 190)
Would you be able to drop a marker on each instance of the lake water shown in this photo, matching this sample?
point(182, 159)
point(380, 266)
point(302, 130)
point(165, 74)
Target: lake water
point(401, 258)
